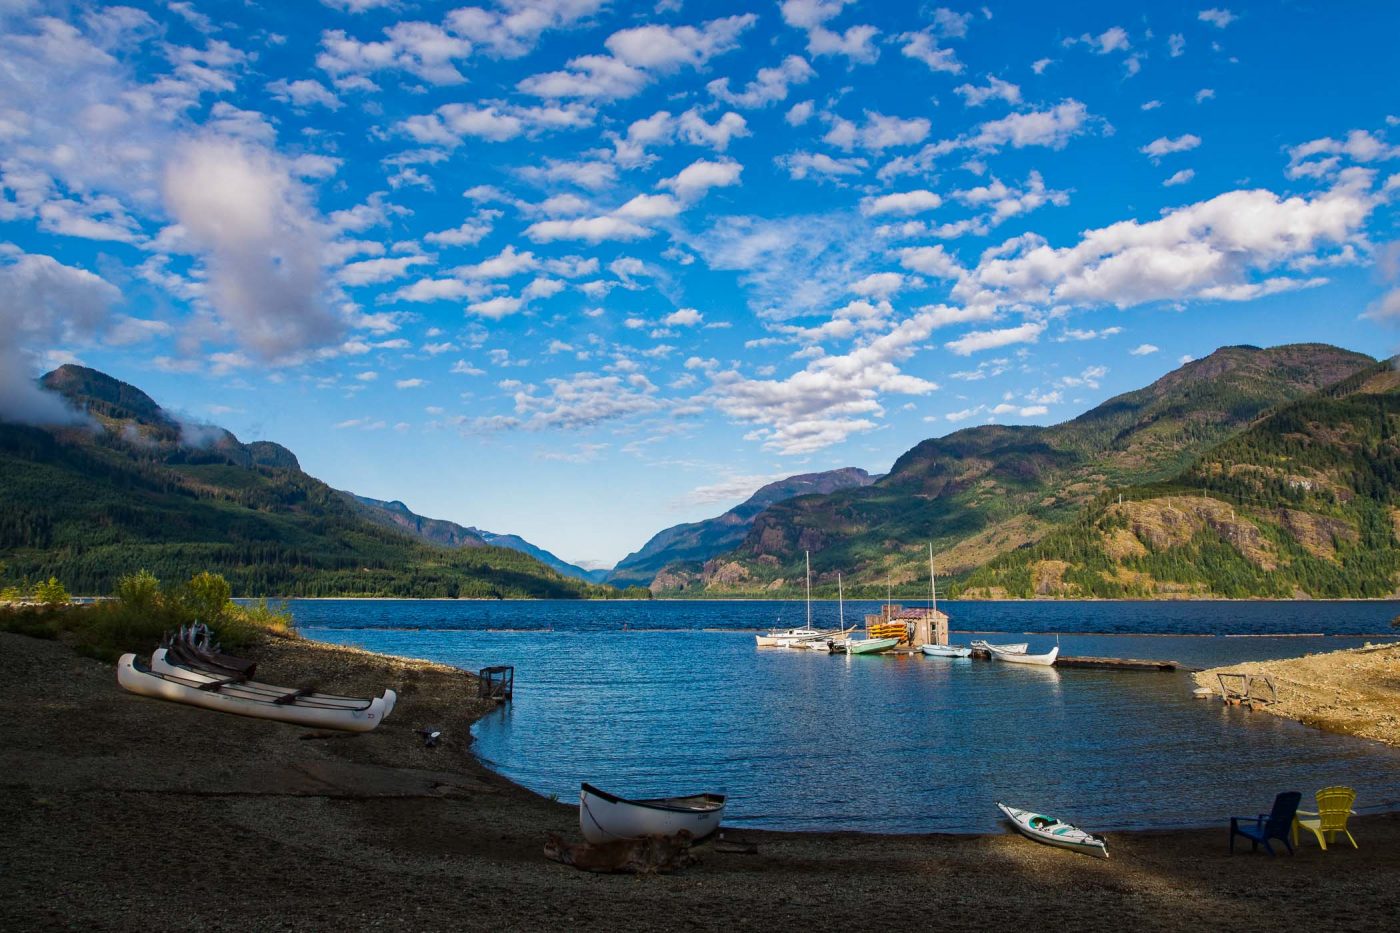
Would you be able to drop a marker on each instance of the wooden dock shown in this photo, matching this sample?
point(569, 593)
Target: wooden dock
point(1103, 664)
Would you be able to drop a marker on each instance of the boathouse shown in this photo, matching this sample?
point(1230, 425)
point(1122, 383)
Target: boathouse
point(914, 625)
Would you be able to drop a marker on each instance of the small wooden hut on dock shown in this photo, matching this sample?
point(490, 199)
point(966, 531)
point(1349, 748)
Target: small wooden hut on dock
point(913, 625)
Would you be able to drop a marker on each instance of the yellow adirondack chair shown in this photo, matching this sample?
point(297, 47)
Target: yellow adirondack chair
point(1333, 808)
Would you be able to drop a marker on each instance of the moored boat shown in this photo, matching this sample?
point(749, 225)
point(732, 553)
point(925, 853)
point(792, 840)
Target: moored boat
point(946, 651)
point(604, 817)
point(251, 698)
point(1053, 832)
point(1018, 648)
point(1045, 660)
point(870, 645)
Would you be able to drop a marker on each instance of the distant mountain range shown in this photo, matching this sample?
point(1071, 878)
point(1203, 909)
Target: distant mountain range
point(450, 534)
point(992, 489)
point(1251, 472)
point(136, 488)
point(697, 542)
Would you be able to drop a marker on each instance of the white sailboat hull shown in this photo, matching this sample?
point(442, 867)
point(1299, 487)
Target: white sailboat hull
point(605, 817)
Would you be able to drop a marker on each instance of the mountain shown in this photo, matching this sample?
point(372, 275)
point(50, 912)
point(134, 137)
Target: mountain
point(450, 534)
point(136, 488)
point(697, 542)
point(984, 490)
point(1304, 502)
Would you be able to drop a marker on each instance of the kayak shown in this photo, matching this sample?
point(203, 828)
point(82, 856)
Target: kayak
point(1051, 831)
point(251, 698)
point(604, 817)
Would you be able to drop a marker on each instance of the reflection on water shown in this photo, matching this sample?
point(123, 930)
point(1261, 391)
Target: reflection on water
point(891, 744)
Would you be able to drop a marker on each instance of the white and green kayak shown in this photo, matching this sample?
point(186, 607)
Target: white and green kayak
point(1051, 831)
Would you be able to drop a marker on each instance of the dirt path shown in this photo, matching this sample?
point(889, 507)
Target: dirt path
point(124, 813)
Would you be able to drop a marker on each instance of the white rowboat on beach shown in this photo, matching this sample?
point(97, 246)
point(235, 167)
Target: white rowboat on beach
point(605, 817)
point(250, 698)
point(1051, 831)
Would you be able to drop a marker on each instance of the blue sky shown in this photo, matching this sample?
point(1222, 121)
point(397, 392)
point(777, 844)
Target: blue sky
point(580, 270)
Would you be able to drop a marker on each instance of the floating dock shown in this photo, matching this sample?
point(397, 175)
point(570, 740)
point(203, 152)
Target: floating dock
point(1102, 664)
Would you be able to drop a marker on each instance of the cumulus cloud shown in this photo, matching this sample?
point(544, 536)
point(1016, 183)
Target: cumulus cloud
point(903, 203)
point(831, 399)
point(1217, 17)
point(978, 340)
point(769, 87)
point(46, 305)
point(877, 133)
point(261, 240)
point(700, 176)
point(1144, 349)
point(1179, 178)
point(1164, 145)
point(994, 89)
point(1221, 248)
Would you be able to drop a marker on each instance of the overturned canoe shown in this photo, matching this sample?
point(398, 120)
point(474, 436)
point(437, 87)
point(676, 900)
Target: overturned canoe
point(604, 817)
point(251, 698)
point(1051, 831)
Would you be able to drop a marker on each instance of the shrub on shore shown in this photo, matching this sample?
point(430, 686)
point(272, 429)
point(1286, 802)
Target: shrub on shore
point(142, 611)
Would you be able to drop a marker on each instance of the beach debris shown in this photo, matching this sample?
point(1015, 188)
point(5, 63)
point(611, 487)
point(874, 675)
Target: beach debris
point(734, 846)
point(648, 855)
point(431, 736)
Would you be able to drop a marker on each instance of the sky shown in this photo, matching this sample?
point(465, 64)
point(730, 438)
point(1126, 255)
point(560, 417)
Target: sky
point(579, 270)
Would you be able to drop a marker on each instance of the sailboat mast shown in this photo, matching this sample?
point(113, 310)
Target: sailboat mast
point(840, 602)
point(932, 588)
point(809, 589)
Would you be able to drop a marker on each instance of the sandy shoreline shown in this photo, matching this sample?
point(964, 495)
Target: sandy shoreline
point(1354, 691)
point(127, 813)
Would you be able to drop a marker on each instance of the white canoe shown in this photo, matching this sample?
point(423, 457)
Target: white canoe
point(1019, 648)
point(163, 663)
point(1051, 831)
point(1045, 660)
point(251, 698)
point(945, 651)
point(604, 817)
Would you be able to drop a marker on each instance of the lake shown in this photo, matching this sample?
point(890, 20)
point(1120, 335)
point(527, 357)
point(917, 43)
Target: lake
point(665, 697)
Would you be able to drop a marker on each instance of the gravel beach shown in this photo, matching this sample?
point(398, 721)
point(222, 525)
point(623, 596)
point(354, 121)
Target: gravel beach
point(126, 813)
point(1355, 691)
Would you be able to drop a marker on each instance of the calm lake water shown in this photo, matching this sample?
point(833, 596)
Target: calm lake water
point(657, 698)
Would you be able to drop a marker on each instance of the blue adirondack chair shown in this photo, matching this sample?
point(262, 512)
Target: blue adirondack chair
point(1273, 825)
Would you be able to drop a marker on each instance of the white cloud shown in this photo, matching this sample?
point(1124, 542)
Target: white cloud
point(505, 264)
point(588, 229)
point(979, 340)
point(831, 399)
point(700, 176)
point(1144, 349)
point(683, 317)
point(303, 93)
point(904, 203)
point(1211, 249)
point(1217, 17)
point(47, 304)
point(469, 233)
point(409, 383)
point(923, 46)
point(1180, 178)
point(799, 114)
point(496, 308)
point(1163, 145)
point(1177, 44)
point(995, 89)
point(800, 165)
point(856, 43)
point(1205, 94)
point(878, 132)
point(378, 271)
point(1358, 146)
point(423, 50)
point(241, 208)
point(771, 86)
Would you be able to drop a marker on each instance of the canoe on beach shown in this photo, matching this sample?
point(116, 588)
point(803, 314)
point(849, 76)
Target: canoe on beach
point(1051, 831)
point(250, 698)
point(604, 817)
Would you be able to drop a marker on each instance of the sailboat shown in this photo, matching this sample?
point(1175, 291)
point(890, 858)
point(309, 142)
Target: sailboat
point(842, 639)
point(937, 650)
point(797, 637)
point(874, 645)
